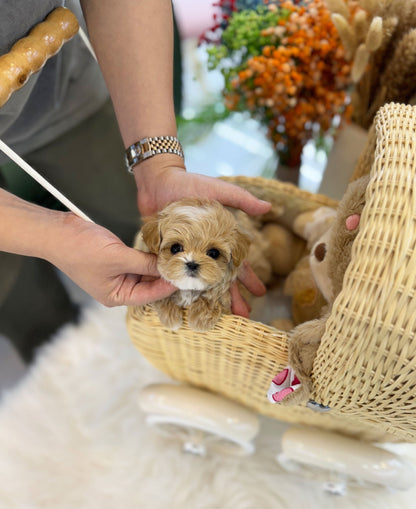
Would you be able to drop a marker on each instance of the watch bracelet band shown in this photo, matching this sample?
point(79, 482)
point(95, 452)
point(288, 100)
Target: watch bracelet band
point(149, 147)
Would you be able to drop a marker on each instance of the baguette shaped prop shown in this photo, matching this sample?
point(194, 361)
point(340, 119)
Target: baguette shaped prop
point(29, 54)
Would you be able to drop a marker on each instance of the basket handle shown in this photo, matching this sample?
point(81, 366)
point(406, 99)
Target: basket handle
point(29, 54)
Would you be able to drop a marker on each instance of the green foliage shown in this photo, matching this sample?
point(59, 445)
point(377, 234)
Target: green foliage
point(243, 37)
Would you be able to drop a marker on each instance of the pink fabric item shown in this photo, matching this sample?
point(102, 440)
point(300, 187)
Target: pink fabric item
point(283, 383)
point(278, 396)
point(280, 378)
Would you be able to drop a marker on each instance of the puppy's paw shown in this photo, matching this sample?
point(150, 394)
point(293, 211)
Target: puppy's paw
point(170, 316)
point(171, 322)
point(202, 317)
point(202, 323)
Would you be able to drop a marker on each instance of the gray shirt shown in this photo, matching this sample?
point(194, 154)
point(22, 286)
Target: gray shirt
point(68, 89)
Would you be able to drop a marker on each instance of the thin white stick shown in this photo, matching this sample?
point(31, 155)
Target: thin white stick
point(43, 182)
point(87, 43)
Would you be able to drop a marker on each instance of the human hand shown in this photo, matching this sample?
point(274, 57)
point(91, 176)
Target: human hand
point(248, 278)
point(161, 180)
point(102, 265)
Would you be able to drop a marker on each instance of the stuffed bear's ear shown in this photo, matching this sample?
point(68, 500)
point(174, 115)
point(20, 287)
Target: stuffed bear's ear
point(151, 234)
point(241, 244)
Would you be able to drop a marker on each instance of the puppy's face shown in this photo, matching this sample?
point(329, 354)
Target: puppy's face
point(198, 242)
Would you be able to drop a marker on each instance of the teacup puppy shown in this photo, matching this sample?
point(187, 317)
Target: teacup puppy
point(200, 247)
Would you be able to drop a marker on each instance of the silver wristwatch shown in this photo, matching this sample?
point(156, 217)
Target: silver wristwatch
point(149, 147)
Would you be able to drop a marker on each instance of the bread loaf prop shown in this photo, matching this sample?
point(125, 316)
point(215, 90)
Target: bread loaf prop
point(29, 54)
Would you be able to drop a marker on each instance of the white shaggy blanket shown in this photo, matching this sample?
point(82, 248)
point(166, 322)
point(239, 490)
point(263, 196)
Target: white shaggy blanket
point(73, 437)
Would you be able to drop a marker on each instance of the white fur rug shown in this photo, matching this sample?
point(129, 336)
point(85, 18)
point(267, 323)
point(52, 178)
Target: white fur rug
point(72, 437)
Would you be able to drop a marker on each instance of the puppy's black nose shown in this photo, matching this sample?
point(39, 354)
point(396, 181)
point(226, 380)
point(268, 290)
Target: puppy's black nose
point(192, 266)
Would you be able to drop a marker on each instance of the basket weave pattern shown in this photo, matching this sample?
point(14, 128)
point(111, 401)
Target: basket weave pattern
point(368, 352)
point(366, 365)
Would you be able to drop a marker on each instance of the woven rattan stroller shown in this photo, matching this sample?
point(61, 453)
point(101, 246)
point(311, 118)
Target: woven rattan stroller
point(365, 369)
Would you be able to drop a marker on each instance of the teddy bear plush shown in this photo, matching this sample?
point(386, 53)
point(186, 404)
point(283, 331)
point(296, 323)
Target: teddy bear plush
point(329, 258)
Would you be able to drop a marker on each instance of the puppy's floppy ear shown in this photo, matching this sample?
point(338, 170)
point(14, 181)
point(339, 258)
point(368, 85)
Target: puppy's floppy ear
point(151, 233)
point(241, 243)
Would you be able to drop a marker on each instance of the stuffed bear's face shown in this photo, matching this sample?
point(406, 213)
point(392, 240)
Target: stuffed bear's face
point(331, 254)
point(319, 265)
point(324, 265)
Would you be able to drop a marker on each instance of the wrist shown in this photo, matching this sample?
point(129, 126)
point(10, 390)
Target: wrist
point(155, 180)
point(157, 165)
point(60, 230)
point(150, 147)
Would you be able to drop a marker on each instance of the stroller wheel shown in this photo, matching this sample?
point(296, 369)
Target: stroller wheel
point(204, 422)
point(339, 461)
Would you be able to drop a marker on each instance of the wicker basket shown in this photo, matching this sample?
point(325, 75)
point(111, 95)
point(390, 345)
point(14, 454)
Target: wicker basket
point(365, 370)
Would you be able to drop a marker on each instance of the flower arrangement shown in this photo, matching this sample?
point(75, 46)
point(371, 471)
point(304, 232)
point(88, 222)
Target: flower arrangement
point(283, 62)
point(379, 38)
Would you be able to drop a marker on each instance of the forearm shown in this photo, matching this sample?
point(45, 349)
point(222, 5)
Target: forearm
point(93, 257)
point(133, 40)
point(27, 229)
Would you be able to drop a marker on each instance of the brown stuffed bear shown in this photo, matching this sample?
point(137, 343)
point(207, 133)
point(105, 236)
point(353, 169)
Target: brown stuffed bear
point(300, 284)
point(329, 259)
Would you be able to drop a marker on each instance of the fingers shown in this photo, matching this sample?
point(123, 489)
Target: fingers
point(248, 278)
point(238, 305)
point(236, 197)
point(145, 292)
point(134, 261)
point(141, 282)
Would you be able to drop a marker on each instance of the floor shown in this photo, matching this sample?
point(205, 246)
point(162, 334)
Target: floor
point(72, 435)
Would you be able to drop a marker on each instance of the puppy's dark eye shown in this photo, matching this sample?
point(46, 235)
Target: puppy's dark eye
point(213, 253)
point(176, 248)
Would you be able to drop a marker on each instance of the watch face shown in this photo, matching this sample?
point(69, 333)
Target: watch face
point(134, 152)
